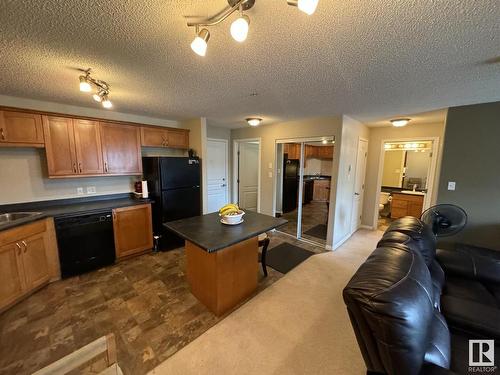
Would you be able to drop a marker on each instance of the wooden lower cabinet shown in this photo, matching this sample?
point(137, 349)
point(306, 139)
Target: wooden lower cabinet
point(25, 260)
point(133, 230)
point(406, 205)
point(321, 191)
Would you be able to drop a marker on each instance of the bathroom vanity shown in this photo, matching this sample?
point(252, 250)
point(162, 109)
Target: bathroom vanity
point(407, 204)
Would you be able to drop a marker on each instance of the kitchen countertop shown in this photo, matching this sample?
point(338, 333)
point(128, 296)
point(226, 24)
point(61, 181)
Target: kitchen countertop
point(68, 207)
point(209, 233)
point(314, 177)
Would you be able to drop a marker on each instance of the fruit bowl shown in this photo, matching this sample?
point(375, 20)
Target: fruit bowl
point(233, 218)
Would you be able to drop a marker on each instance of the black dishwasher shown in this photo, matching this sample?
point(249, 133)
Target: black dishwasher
point(85, 242)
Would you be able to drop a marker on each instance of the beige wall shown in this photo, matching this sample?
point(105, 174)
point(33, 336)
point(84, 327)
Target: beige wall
point(270, 133)
point(377, 136)
point(471, 158)
point(23, 171)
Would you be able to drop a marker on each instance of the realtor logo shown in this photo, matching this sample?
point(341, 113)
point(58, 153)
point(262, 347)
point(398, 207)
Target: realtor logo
point(481, 353)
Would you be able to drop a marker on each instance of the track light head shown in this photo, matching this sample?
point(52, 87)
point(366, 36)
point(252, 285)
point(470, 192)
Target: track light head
point(306, 6)
point(106, 103)
point(85, 84)
point(239, 28)
point(200, 43)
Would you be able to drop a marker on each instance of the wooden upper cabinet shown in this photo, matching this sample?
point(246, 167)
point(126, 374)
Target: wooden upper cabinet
point(20, 129)
point(178, 138)
point(164, 137)
point(121, 148)
point(88, 147)
point(60, 146)
point(292, 150)
point(133, 229)
point(11, 274)
point(154, 137)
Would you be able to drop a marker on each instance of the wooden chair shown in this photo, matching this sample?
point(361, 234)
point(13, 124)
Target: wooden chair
point(264, 243)
point(98, 357)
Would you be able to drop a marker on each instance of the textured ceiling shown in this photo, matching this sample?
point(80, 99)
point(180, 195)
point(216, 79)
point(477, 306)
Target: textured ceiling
point(432, 117)
point(368, 59)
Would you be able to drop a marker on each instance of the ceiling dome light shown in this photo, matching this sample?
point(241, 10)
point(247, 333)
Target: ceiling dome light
point(254, 121)
point(199, 44)
point(239, 28)
point(84, 84)
point(106, 103)
point(400, 122)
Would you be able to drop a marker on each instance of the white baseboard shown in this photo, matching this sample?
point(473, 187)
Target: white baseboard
point(369, 227)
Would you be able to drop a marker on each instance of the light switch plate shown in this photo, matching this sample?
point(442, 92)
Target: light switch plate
point(270, 174)
point(91, 190)
point(270, 165)
point(451, 185)
point(79, 190)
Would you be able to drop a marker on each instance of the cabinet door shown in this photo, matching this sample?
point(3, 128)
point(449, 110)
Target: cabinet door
point(133, 230)
point(121, 147)
point(88, 147)
point(11, 274)
point(154, 137)
point(19, 128)
point(36, 269)
point(178, 138)
point(59, 145)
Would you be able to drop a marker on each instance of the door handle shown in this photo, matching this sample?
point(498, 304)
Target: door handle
point(25, 245)
point(2, 134)
point(74, 167)
point(106, 167)
point(356, 193)
point(18, 248)
point(80, 167)
point(223, 185)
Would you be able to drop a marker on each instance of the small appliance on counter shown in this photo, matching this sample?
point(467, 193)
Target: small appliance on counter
point(174, 186)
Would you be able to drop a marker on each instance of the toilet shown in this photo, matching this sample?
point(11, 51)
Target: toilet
point(384, 198)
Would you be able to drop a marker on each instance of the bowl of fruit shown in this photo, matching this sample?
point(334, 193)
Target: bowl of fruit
point(231, 214)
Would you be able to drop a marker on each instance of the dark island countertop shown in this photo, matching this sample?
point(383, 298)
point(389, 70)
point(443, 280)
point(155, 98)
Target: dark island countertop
point(209, 233)
point(67, 207)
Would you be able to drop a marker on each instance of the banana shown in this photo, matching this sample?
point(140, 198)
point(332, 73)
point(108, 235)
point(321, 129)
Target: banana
point(229, 208)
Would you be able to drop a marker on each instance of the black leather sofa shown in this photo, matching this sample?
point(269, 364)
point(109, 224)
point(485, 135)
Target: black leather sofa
point(412, 317)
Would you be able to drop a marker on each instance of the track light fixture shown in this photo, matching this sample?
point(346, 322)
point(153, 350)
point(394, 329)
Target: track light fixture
point(102, 88)
point(239, 28)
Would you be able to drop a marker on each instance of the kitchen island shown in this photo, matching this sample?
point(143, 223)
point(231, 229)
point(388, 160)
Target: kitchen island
point(222, 260)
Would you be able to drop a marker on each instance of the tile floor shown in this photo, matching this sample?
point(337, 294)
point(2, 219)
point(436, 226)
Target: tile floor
point(144, 301)
point(313, 213)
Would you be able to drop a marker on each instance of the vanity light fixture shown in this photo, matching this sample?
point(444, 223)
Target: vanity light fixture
point(400, 122)
point(254, 121)
point(239, 28)
point(102, 88)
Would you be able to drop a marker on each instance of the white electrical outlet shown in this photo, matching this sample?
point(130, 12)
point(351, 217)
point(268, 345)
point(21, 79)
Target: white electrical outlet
point(79, 190)
point(91, 190)
point(451, 185)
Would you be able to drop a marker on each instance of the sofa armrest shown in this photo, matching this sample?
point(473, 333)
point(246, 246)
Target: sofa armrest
point(431, 369)
point(472, 262)
point(471, 316)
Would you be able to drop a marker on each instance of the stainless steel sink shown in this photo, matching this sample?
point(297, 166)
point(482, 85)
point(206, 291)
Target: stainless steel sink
point(14, 216)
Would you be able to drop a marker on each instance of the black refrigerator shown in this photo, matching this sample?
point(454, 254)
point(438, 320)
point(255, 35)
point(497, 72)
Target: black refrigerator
point(174, 186)
point(290, 184)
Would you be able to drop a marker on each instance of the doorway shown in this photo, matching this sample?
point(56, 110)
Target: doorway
point(217, 174)
point(303, 179)
point(406, 179)
point(246, 167)
point(359, 184)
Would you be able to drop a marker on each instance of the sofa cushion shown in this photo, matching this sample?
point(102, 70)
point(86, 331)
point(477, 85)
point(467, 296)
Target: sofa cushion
point(438, 351)
point(416, 235)
point(469, 289)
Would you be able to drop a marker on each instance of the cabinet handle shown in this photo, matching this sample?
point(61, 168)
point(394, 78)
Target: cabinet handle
point(18, 248)
point(2, 134)
point(80, 167)
point(106, 167)
point(74, 167)
point(25, 245)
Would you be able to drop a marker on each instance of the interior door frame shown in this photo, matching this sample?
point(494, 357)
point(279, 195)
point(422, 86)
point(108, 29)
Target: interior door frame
point(226, 145)
point(431, 173)
point(235, 184)
point(360, 139)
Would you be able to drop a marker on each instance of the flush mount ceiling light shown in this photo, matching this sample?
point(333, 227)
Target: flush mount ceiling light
point(239, 28)
point(254, 121)
point(102, 88)
point(400, 122)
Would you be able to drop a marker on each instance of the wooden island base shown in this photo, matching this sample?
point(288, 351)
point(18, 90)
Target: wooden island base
point(224, 278)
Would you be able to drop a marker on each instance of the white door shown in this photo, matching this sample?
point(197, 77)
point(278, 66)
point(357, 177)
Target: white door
point(248, 175)
point(217, 190)
point(359, 185)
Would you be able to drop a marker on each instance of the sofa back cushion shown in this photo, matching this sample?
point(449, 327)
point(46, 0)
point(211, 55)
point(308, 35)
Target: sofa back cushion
point(390, 303)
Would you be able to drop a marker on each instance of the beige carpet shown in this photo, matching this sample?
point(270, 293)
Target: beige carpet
point(299, 325)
